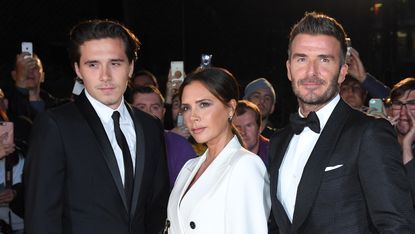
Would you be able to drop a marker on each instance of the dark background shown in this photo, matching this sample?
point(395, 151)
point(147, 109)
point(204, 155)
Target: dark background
point(248, 37)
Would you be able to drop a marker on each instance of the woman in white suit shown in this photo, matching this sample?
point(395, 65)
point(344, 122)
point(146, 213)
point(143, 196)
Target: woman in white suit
point(226, 190)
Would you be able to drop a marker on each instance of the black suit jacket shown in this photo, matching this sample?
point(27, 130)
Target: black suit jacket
point(369, 193)
point(72, 181)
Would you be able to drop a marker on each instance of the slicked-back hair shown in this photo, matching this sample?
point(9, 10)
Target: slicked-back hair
point(220, 82)
point(401, 87)
point(244, 106)
point(319, 24)
point(101, 29)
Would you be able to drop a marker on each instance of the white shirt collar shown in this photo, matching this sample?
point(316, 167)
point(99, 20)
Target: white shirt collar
point(104, 112)
point(325, 112)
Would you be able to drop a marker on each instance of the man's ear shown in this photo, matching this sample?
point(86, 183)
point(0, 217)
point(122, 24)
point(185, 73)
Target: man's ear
point(343, 72)
point(130, 74)
point(78, 73)
point(272, 109)
point(42, 77)
point(288, 65)
point(13, 73)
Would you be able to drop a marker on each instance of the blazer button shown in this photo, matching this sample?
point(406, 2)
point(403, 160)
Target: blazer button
point(192, 225)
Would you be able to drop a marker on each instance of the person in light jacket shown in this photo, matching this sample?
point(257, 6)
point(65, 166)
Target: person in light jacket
point(226, 189)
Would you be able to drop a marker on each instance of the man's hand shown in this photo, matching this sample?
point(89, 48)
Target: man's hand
point(408, 139)
point(182, 131)
point(172, 87)
point(356, 68)
point(5, 149)
point(24, 63)
point(7, 195)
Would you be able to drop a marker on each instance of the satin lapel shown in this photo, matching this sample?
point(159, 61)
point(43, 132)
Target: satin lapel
point(277, 148)
point(318, 161)
point(139, 159)
point(94, 122)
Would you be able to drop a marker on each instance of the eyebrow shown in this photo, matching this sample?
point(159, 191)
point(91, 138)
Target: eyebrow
point(203, 100)
point(296, 55)
point(197, 102)
point(90, 61)
point(117, 60)
point(326, 56)
point(111, 60)
point(412, 100)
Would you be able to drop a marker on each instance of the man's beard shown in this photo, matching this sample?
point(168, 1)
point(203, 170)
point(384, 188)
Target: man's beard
point(332, 90)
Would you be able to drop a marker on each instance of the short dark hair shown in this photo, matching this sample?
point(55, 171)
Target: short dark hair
point(244, 106)
point(100, 29)
point(219, 81)
point(401, 87)
point(320, 24)
point(148, 74)
point(147, 89)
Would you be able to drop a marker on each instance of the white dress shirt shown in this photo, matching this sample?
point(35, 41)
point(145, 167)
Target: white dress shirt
point(127, 127)
point(296, 157)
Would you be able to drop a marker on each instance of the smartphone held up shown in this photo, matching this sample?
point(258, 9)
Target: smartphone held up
point(27, 47)
point(177, 71)
point(349, 48)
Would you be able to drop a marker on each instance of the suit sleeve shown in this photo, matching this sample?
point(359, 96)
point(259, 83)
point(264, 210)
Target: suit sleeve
point(44, 178)
point(248, 200)
point(156, 211)
point(384, 180)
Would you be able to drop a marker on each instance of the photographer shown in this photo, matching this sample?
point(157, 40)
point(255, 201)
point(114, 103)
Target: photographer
point(27, 98)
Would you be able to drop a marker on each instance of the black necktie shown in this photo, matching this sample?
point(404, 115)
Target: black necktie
point(298, 123)
point(128, 163)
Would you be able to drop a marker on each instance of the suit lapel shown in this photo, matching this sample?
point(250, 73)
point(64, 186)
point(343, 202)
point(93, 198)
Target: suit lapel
point(316, 164)
point(213, 175)
point(94, 122)
point(191, 170)
point(278, 146)
point(139, 160)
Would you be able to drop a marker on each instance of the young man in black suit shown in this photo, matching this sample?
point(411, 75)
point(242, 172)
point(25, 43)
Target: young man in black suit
point(97, 165)
point(336, 170)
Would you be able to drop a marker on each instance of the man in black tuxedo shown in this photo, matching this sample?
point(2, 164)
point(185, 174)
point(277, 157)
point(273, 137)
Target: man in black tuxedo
point(97, 165)
point(337, 170)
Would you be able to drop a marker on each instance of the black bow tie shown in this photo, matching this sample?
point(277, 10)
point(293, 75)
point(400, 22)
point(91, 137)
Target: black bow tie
point(298, 123)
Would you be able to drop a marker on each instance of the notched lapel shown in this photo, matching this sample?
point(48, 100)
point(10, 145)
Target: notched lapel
point(139, 160)
point(103, 143)
point(317, 163)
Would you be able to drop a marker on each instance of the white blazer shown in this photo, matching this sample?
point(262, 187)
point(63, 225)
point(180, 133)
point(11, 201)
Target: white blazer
point(231, 196)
